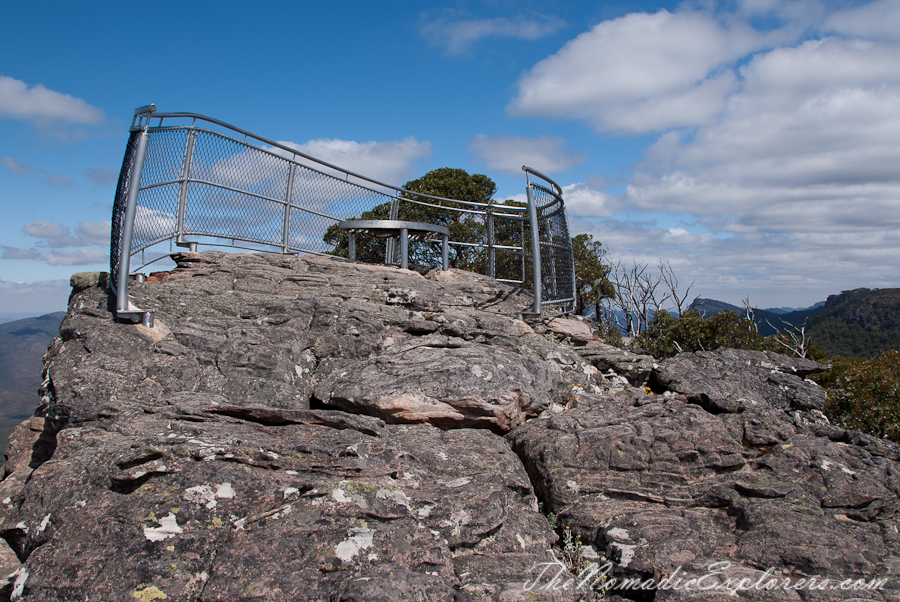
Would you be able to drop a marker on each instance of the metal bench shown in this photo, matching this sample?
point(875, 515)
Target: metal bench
point(396, 228)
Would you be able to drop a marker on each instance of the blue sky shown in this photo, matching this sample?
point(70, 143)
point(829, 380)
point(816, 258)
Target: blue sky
point(755, 145)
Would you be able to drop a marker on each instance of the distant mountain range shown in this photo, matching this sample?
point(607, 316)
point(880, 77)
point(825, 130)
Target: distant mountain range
point(859, 323)
point(769, 321)
point(22, 347)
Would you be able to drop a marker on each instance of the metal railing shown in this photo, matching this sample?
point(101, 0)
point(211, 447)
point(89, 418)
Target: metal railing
point(189, 178)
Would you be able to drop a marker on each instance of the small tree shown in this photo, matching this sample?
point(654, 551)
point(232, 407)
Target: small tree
point(667, 335)
point(591, 282)
point(464, 227)
point(636, 298)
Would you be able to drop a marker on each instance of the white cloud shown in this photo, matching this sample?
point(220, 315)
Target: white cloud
point(77, 256)
point(54, 235)
point(785, 186)
point(808, 144)
point(457, 34)
point(790, 268)
point(40, 105)
point(34, 298)
point(877, 19)
point(58, 237)
point(510, 153)
point(151, 224)
point(93, 233)
point(639, 73)
point(583, 200)
point(391, 162)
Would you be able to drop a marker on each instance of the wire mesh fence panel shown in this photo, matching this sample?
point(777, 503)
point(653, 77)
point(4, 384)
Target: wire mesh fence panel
point(236, 191)
point(118, 214)
point(557, 266)
point(201, 182)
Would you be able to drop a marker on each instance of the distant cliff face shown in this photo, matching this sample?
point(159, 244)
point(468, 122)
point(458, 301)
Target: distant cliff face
point(22, 344)
point(310, 429)
point(859, 323)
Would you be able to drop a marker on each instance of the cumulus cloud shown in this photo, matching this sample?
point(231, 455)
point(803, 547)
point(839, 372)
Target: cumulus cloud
point(584, 200)
point(639, 73)
point(40, 105)
point(53, 234)
point(93, 233)
point(795, 269)
point(876, 20)
point(391, 162)
point(510, 153)
point(66, 249)
point(457, 33)
point(17, 253)
point(77, 256)
point(809, 143)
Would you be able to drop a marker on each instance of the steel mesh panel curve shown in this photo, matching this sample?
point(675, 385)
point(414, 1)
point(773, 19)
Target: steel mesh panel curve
point(557, 266)
point(197, 181)
point(118, 212)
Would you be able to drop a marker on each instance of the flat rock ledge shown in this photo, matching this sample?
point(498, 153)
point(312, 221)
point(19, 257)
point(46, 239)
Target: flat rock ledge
point(313, 429)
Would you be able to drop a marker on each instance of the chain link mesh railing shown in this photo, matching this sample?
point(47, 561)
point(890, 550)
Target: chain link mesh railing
point(557, 264)
point(222, 183)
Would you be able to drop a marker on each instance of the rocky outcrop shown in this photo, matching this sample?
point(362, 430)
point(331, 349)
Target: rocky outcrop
point(724, 469)
point(312, 429)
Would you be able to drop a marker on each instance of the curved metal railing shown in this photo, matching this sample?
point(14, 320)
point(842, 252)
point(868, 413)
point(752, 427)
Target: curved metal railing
point(188, 178)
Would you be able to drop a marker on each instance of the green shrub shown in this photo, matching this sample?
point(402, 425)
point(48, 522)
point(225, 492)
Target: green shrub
point(667, 335)
point(864, 394)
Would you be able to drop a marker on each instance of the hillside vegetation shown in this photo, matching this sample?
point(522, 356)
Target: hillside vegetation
point(22, 345)
point(859, 323)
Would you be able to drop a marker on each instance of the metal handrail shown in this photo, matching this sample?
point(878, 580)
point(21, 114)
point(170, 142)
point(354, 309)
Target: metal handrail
point(195, 116)
point(534, 172)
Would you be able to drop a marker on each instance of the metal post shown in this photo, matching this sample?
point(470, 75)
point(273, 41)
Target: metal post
point(489, 227)
point(390, 252)
point(351, 245)
point(404, 248)
point(286, 225)
point(522, 248)
point(185, 179)
point(535, 249)
point(445, 252)
point(128, 223)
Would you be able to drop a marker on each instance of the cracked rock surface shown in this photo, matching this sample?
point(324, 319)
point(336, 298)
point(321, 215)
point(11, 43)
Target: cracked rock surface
point(312, 429)
point(275, 436)
point(728, 472)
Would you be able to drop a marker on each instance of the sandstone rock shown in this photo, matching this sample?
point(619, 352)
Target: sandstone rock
point(301, 429)
point(229, 508)
point(188, 462)
point(572, 328)
point(729, 380)
point(636, 368)
point(658, 485)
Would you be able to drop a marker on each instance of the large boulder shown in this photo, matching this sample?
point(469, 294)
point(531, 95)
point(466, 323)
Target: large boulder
point(731, 380)
point(285, 332)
